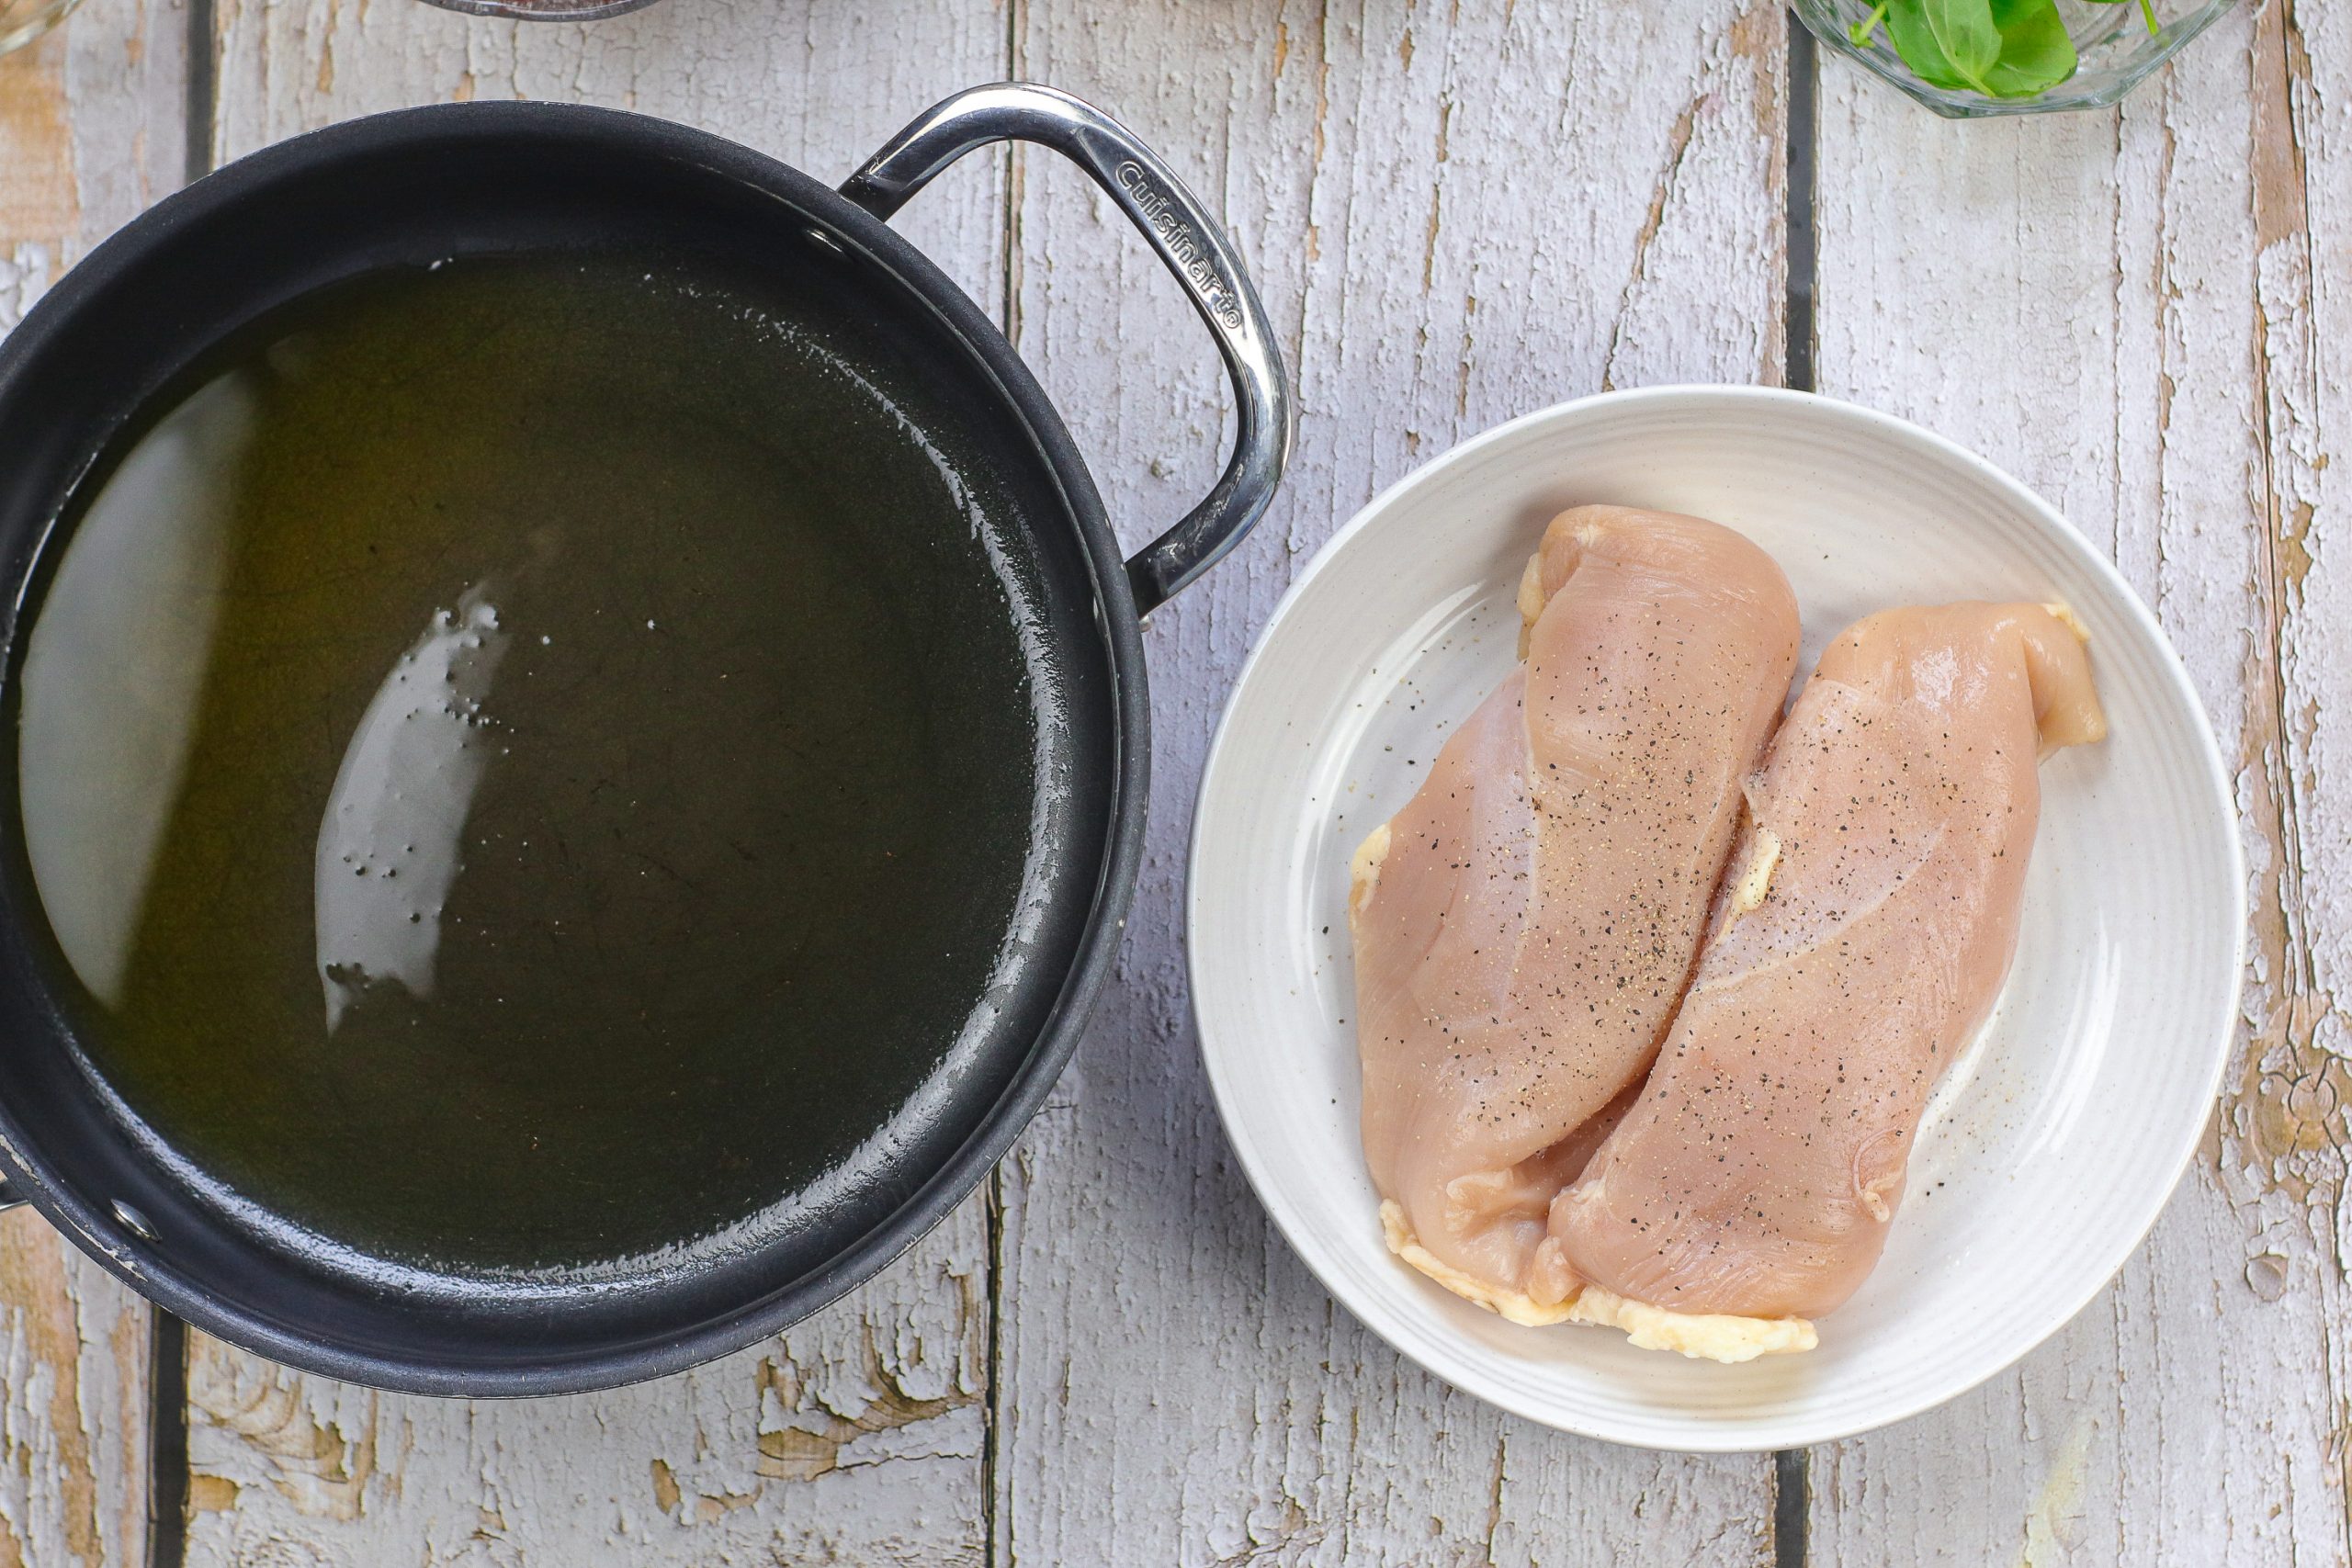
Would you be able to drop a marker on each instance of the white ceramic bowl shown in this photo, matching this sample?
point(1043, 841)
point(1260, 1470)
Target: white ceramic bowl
point(2050, 1149)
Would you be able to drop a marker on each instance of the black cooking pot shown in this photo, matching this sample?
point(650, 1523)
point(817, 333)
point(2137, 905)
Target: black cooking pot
point(406, 189)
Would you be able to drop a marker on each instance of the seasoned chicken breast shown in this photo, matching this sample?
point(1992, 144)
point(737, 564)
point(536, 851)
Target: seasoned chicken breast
point(1526, 925)
point(1859, 940)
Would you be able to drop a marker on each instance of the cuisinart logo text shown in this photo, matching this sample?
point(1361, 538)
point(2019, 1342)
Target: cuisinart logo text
point(1183, 243)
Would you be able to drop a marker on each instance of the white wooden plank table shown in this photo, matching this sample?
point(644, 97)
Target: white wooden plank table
point(1458, 212)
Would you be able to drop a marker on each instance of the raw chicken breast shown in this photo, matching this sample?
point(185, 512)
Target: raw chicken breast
point(1526, 925)
point(1857, 944)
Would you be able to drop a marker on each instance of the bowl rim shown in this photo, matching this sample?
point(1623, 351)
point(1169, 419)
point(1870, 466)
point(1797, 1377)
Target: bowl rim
point(1870, 424)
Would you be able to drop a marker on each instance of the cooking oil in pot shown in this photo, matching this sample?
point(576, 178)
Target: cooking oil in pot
point(527, 763)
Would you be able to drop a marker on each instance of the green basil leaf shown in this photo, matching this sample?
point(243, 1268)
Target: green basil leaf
point(2031, 49)
point(1916, 45)
point(1965, 29)
point(2036, 54)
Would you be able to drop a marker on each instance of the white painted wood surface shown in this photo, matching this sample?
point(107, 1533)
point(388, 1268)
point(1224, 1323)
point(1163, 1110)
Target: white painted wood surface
point(90, 122)
point(1457, 212)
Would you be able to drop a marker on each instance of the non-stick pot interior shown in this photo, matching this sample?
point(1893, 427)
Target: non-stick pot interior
point(136, 323)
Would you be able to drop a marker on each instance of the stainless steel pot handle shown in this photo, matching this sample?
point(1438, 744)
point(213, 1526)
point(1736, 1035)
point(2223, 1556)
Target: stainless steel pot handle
point(1193, 248)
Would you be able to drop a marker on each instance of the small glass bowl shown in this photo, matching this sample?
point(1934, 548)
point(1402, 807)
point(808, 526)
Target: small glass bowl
point(2116, 51)
point(21, 21)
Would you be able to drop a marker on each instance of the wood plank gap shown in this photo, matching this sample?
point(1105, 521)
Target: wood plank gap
point(1802, 125)
point(1791, 1467)
point(166, 1442)
point(1791, 1507)
point(995, 1519)
point(992, 1417)
point(1016, 19)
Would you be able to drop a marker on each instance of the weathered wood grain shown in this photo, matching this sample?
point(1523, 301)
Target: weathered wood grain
point(859, 1436)
point(856, 1437)
point(92, 120)
point(90, 133)
point(1457, 214)
point(818, 84)
point(2287, 1140)
point(74, 1406)
point(2117, 309)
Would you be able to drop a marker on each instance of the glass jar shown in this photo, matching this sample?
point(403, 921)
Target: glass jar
point(2116, 50)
